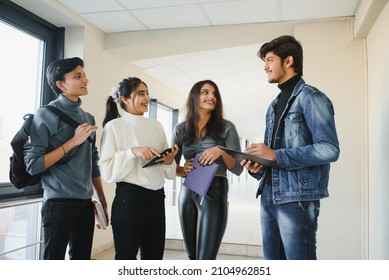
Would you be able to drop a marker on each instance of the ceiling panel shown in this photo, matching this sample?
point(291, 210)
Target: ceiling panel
point(291, 10)
point(199, 61)
point(173, 17)
point(146, 4)
point(214, 72)
point(92, 6)
point(181, 80)
point(243, 11)
point(114, 21)
point(163, 71)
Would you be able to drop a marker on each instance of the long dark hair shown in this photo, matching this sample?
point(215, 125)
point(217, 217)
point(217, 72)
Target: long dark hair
point(125, 88)
point(216, 124)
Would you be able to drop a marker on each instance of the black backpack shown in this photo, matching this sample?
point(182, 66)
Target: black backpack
point(18, 175)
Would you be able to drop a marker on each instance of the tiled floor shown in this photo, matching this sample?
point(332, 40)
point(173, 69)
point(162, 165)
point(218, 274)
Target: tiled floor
point(242, 239)
point(174, 255)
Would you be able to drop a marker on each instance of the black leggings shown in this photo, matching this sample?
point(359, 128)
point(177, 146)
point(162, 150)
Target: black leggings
point(203, 225)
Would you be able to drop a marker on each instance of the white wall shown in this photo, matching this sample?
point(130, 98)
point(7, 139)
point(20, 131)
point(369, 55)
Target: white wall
point(378, 120)
point(335, 64)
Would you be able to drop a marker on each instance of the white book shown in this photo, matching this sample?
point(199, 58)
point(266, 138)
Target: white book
point(99, 213)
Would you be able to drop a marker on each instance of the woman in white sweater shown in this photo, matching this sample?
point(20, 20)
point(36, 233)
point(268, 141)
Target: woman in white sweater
point(128, 143)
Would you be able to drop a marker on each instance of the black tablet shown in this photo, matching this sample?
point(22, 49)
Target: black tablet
point(153, 161)
point(240, 156)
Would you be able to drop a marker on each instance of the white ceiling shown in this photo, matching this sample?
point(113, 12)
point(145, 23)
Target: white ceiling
point(141, 15)
point(243, 84)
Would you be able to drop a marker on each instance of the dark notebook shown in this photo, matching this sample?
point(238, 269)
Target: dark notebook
point(240, 156)
point(200, 178)
point(153, 161)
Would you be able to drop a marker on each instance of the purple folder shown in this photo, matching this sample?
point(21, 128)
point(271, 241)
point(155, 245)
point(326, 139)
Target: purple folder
point(200, 178)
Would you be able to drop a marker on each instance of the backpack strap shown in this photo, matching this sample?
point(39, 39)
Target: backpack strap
point(64, 117)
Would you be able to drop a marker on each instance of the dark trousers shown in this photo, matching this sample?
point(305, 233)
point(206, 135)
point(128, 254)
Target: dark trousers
point(204, 221)
point(67, 222)
point(138, 222)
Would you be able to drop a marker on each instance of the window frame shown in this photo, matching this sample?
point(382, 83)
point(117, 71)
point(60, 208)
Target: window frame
point(54, 41)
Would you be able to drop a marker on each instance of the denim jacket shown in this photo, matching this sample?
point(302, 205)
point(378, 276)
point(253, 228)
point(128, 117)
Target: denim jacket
point(306, 143)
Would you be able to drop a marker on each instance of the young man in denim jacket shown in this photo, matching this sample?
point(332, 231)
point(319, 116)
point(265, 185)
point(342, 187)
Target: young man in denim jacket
point(301, 137)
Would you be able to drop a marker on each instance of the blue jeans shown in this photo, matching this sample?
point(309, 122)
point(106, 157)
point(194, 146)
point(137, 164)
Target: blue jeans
point(68, 221)
point(289, 229)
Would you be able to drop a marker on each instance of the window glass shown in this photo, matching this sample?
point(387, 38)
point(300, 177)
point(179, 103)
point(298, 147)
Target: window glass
point(19, 232)
point(20, 72)
point(165, 117)
point(28, 45)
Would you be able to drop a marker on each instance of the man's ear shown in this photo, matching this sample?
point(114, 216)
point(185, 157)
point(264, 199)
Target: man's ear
point(59, 85)
point(289, 61)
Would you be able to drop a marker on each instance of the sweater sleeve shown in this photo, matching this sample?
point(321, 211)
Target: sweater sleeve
point(232, 142)
point(40, 135)
point(177, 140)
point(114, 164)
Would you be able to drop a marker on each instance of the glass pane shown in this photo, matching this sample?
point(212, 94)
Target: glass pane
point(21, 76)
point(19, 232)
point(164, 116)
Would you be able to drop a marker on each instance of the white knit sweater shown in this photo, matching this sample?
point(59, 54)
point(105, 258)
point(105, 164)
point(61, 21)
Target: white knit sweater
point(117, 161)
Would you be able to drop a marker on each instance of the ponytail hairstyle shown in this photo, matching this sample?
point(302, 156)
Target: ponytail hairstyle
point(123, 89)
